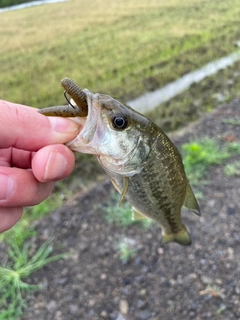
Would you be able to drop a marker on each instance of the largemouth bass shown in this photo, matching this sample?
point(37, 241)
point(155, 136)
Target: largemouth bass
point(141, 161)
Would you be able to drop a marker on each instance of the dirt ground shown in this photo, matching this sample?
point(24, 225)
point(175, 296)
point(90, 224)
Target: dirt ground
point(198, 282)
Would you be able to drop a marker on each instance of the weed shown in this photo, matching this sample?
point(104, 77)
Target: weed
point(146, 223)
point(213, 291)
point(233, 121)
point(232, 169)
point(221, 309)
point(43, 208)
point(14, 292)
point(233, 148)
point(199, 155)
point(113, 213)
point(126, 249)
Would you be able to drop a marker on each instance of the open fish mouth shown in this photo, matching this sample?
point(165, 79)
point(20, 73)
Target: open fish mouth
point(89, 125)
point(84, 108)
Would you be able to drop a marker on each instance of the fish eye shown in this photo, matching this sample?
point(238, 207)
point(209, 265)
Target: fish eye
point(119, 122)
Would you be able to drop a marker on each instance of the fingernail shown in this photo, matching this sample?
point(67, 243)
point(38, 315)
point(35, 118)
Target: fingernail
point(6, 186)
point(63, 125)
point(55, 167)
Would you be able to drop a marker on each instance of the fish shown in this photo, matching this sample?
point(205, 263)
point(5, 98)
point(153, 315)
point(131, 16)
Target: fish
point(142, 162)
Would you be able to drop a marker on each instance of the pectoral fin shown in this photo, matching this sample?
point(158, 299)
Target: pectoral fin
point(191, 202)
point(137, 215)
point(125, 188)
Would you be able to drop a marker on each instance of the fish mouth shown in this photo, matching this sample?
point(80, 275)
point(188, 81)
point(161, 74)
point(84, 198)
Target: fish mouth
point(82, 143)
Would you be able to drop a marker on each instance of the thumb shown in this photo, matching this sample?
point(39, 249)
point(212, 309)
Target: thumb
point(30, 130)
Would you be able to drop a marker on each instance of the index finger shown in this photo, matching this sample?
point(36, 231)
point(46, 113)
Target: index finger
point(24, 128)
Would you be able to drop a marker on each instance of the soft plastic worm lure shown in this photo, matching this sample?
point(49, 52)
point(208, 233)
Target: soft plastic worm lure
point(78, 96)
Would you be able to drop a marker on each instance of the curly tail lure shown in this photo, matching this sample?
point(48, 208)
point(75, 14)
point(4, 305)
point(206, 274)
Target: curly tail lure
point(78, 96)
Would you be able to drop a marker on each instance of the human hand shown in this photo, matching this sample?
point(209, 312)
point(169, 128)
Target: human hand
point(32, 156)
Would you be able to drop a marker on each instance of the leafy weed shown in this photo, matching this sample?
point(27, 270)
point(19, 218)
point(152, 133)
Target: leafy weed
point(233, 121)
point(14, 291)
point(232, 169)
point(126, 250)
point(122, 215)
point(199, 155)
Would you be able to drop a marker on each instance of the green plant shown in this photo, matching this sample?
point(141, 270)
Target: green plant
point(233, 121)
point(199, 155)
point(113, 213)
point(14, 292)
point(232, 169)
point(43, 208)
point(122, 215)
point(126, 250)
point(21, 263)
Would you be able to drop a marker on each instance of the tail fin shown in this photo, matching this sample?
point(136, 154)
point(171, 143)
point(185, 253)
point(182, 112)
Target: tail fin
point(182, 237)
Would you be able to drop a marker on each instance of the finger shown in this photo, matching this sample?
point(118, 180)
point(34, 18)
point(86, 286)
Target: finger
point(19, 158)
point(5, 157)
point(9, 217)
point(52, 163)
point(30, 130)
point(20, 188)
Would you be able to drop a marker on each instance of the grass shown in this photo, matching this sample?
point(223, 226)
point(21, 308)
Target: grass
point(199, 155)
point(232, 169)
point(121, 215)
point(21, 262)
point(235, 122)
point(120, 48)
point(14, 291)
point(126, 250)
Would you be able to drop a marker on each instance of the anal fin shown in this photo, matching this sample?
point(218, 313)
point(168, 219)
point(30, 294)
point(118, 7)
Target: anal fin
point(191, 202)
point(137, 215)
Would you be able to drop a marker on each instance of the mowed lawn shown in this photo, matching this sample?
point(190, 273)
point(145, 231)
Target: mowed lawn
point(122, 48)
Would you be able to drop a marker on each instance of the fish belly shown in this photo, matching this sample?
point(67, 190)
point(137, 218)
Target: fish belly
point(159, 191)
